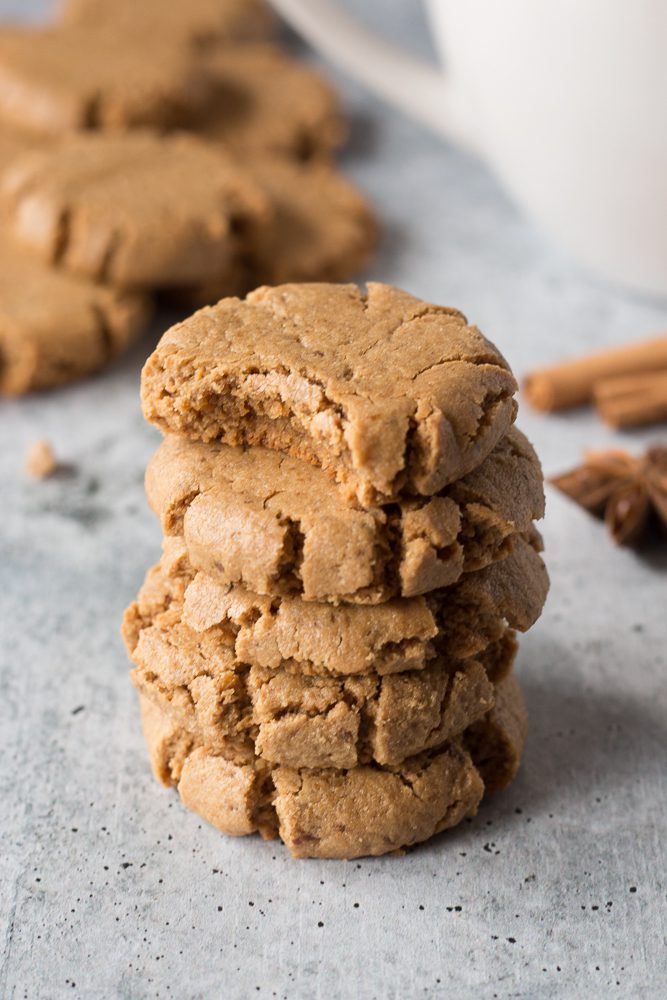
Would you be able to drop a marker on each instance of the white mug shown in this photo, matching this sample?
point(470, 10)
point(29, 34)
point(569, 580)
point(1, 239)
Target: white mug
point(565, 99)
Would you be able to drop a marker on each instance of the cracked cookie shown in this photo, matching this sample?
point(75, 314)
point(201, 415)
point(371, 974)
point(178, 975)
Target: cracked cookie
point(68, 79)
point(54, 327)
point(266, 101)
point(323, 813)
point(136, 210)
point(202, 23)
point(401, 634)
point(311, 638)
point(277, 525)
point(301, 720)
point(388, 393)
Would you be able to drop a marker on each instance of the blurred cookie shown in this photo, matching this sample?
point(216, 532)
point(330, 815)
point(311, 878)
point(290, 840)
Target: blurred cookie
point(266, 101)
point(55, 328)
point(60, 80)
point(278, 525)
point(325, 813)
point(135, 210)
point(389, 393)
point(320, 228)
point(198, 22)
point(14, 143)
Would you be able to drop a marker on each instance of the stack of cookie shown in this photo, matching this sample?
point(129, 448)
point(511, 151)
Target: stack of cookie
point(324, 651)
point(200, 171)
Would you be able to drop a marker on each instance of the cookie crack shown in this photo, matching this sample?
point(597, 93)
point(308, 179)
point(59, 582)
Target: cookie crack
point(62, 236)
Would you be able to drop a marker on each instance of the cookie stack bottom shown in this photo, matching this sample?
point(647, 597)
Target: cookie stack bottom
point(297, 742)
point(333, 813)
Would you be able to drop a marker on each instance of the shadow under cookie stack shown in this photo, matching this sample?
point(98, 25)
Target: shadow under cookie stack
point(324, 651)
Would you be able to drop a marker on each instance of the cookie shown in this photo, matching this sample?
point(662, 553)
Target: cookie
point(496, 743)
point(134, 210)
point(323, 813)
point(300, 720)
point(266, 101)
point(60, 80)
point(202, 23)
point(389, 393)
point(277, 525)
point(320, 229)
point(14, 144)
point(401, 634)
point(54, 327)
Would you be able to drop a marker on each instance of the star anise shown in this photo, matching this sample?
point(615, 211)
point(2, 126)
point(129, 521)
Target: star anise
point(628, 492)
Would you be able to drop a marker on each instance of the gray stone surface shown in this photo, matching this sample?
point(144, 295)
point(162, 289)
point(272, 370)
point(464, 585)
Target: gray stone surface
point(109, 889)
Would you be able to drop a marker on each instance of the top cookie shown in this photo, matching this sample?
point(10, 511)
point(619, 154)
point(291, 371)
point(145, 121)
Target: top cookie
point(199, 22)
point(53, 81)
point(389, 393)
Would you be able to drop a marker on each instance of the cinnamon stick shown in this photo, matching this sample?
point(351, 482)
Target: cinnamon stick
point(632, 400)
point(571, 383)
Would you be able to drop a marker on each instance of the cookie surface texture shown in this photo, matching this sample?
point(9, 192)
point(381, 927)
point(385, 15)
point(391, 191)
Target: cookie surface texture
point(388, 392)
point(62, 80)
point(56, 328)
point(134, 210)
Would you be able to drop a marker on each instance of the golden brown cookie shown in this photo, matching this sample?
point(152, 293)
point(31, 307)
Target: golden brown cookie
point(299, 720)
point(324, 813)
point(60, 80)
point(135, 210)
point(401, 634)
point(54, 327)
point(312, 638)
point(320, 229)
point(496, 743)
point(278, 525)
point(387, 392)
point(266, 101)
point(14, 144)
point(196, 22)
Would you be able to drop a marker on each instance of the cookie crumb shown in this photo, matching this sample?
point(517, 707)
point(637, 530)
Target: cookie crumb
point(40, 461)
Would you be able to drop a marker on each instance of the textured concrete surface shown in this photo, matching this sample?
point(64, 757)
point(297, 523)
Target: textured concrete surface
point(109, 889)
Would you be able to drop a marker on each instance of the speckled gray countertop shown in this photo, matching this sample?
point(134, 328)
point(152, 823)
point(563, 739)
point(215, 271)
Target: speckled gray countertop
point(109, 889)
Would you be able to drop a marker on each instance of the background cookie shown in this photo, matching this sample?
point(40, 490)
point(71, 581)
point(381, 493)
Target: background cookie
point(135, 210)
point(320, 228)
point(390, 393)
point(58, 80)
point(54, 327)
point(14, 143)
point(266, 101)
point(198, 22)
point(281, 526)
